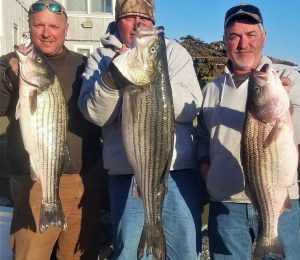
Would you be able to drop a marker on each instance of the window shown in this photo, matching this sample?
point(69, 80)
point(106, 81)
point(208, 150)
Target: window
point(103, 6)
point(84, 49)
point(89, 6)
point(79, 6)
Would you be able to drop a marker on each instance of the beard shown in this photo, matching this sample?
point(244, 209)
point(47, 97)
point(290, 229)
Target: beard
point(244, 59)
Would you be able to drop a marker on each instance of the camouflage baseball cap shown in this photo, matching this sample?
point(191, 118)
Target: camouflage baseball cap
point(143, 8)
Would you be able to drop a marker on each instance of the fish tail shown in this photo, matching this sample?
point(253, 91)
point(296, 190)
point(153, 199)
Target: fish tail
point(268, 247)
point(52, 215)
point(153, 239)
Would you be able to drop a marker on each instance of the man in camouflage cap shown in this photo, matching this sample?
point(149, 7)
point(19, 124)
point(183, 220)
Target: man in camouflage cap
point(142, 8)
point(100, 102)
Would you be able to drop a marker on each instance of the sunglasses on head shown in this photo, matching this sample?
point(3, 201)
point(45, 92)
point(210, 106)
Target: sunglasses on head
point(52, 7)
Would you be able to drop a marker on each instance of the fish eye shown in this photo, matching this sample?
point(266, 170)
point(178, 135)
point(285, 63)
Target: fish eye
point(152, 50)
point(257, 90)
point(39, 59)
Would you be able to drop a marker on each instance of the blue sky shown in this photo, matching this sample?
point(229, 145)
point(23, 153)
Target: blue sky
point(204, 20)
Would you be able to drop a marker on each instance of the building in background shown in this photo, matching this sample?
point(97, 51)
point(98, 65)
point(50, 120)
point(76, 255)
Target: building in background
point(88, 21)
point(13, 24)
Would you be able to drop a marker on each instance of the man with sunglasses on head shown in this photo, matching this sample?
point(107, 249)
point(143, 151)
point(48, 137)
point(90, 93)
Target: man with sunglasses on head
point(100, 101)
point(233, 221)
point(79, 192)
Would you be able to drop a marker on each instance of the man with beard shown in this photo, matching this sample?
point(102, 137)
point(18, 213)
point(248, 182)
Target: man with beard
point(233, 221)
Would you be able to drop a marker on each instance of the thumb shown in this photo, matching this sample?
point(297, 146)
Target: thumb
point(14, 65)
point(286, 83)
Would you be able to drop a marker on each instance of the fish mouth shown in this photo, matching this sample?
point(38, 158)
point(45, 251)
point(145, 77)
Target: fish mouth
point(22, 52)
point(143, 30)
point(23, 49)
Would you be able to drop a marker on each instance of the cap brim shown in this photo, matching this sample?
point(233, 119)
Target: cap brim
point(242, 13)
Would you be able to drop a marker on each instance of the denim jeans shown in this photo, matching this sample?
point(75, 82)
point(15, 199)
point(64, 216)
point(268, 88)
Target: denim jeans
point(181, 217)
point(233, 227)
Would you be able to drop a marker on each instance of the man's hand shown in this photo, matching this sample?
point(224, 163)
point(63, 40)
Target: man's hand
point(10, 69)
point(203, 169)
point(286, 83)
point(13, 72)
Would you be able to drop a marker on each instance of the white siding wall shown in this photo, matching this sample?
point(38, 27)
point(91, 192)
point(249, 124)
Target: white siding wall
point(88, 36)
point(13, 22)
point(78, 35)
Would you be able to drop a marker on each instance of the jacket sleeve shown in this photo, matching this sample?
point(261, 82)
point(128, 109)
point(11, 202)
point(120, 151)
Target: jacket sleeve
point(98, 103)
point(187, 96)
point(294, 95)
point(6, 88)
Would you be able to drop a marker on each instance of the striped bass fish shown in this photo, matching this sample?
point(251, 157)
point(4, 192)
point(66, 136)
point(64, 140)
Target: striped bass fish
point(42, 114)
point(269, 155)
point(148, 127)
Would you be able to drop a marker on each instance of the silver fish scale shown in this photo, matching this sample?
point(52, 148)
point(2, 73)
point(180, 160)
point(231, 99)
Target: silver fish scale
point(51, 140)
point(159, 150)
point(42, 114)
point(269, 155)
point(265, 171)
point(148, 126)
point(152, 139)
point(261, 166)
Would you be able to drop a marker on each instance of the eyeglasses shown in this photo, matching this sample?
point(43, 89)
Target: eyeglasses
point(52, 7)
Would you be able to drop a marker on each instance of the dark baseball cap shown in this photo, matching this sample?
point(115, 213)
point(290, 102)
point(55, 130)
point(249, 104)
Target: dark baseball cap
point(243, 10)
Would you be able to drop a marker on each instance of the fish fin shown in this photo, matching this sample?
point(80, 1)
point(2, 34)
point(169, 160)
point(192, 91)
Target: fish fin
point(165, 175)
point(67, 160)
point(33, 101)
point(52, 215)
point(268, 247)
point(153, 240)
point(291, 109)
point(18, 110)
point(33, 171)
point(133, 103)
point(135, 189)
point(287, 205)
point(33, 175)
point(273, 134)
point(164, 178)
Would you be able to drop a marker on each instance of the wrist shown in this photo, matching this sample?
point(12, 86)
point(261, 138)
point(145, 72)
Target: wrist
point(108, 81)
point(203, 166)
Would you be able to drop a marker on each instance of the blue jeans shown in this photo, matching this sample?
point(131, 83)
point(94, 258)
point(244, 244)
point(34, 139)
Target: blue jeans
point(233, 228)
point(181, 217)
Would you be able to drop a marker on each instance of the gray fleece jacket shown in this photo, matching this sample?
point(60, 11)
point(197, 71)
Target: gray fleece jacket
point(102, 105)
point(219, 132)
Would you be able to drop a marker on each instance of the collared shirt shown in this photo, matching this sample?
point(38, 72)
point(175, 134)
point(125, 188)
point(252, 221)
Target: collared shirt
point(220, 127)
